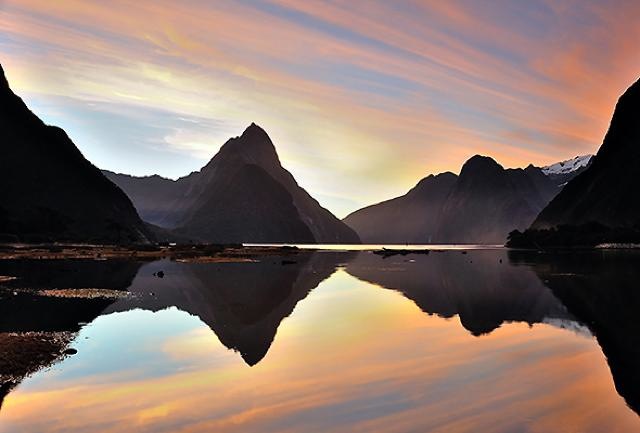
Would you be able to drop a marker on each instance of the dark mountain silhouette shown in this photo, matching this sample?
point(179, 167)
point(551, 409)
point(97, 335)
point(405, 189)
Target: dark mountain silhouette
point(603, 193)
point(49, 190)
point(242, 195)
point(483, 291)
point(600, 290)
point(482, 205)
point(242, 303)
point(411, 218)
point(488, 202)
point(245, 204)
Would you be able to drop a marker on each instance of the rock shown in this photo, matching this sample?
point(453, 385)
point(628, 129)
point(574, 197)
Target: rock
point(385, 252)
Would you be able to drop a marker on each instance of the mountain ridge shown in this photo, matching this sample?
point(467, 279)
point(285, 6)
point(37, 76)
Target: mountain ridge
point(189, 205)
point(481, 205)
point(600, 193)
point(51, 192)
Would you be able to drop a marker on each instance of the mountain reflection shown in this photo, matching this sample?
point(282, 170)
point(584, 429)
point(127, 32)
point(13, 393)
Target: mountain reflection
point(601, 290)
point(481, 287)
point(242, 303)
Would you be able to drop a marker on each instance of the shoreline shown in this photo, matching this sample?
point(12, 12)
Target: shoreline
point(213, 253)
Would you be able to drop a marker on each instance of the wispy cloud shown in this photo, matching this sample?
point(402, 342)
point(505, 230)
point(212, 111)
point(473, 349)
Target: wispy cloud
point(362, 98)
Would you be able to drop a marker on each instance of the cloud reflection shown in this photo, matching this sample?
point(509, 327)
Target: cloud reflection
point(353, 357)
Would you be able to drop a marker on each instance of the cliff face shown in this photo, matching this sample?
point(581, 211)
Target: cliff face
point(50, 192)
point(604, 192)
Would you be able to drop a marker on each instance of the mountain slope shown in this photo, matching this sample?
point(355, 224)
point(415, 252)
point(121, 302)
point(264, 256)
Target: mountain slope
point(488, 202)
point(482, 205)
point(568, 166)
point(50, 192)
point(604, 192)
point(151, 195)
point(411, 218)
point(563, 171)
point(242, 195)
point(246, 205)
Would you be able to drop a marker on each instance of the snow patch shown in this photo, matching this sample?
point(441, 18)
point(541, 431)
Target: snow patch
point(567, 166)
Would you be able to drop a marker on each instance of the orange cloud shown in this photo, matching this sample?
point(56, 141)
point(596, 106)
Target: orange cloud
point(378, 94)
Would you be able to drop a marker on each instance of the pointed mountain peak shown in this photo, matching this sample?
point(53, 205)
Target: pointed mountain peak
point(255, 130)
point(254, 146)
point(254, 136)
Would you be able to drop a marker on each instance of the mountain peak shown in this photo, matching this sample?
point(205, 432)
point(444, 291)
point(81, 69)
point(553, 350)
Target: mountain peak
point(254, 147)
point(253, 136)
point(480, 164)
point(253, 130)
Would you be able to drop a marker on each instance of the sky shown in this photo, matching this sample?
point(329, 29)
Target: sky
point(362, 99)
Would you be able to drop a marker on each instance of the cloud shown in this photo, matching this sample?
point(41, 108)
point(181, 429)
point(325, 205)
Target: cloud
point(361, 98)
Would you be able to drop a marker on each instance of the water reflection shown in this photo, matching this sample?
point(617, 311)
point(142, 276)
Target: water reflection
point(75, 274)
point(601, 290)
point(481, 288)
point(350, 356)
point(35, 329)
point(243, 303)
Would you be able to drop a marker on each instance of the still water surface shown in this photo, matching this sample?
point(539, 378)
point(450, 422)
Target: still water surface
point(490, 341)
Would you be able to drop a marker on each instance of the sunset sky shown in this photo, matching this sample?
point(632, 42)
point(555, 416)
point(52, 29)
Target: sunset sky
point(361, 98)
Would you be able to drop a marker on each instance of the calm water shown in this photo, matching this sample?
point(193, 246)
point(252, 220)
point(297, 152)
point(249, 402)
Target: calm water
point(487, 341)
point(371, 247)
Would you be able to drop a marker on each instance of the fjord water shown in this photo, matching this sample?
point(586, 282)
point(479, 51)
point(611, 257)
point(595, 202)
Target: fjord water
point(485, 340)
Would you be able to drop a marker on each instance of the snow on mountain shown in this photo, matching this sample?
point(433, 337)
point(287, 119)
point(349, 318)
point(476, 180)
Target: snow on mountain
point(567, 166)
